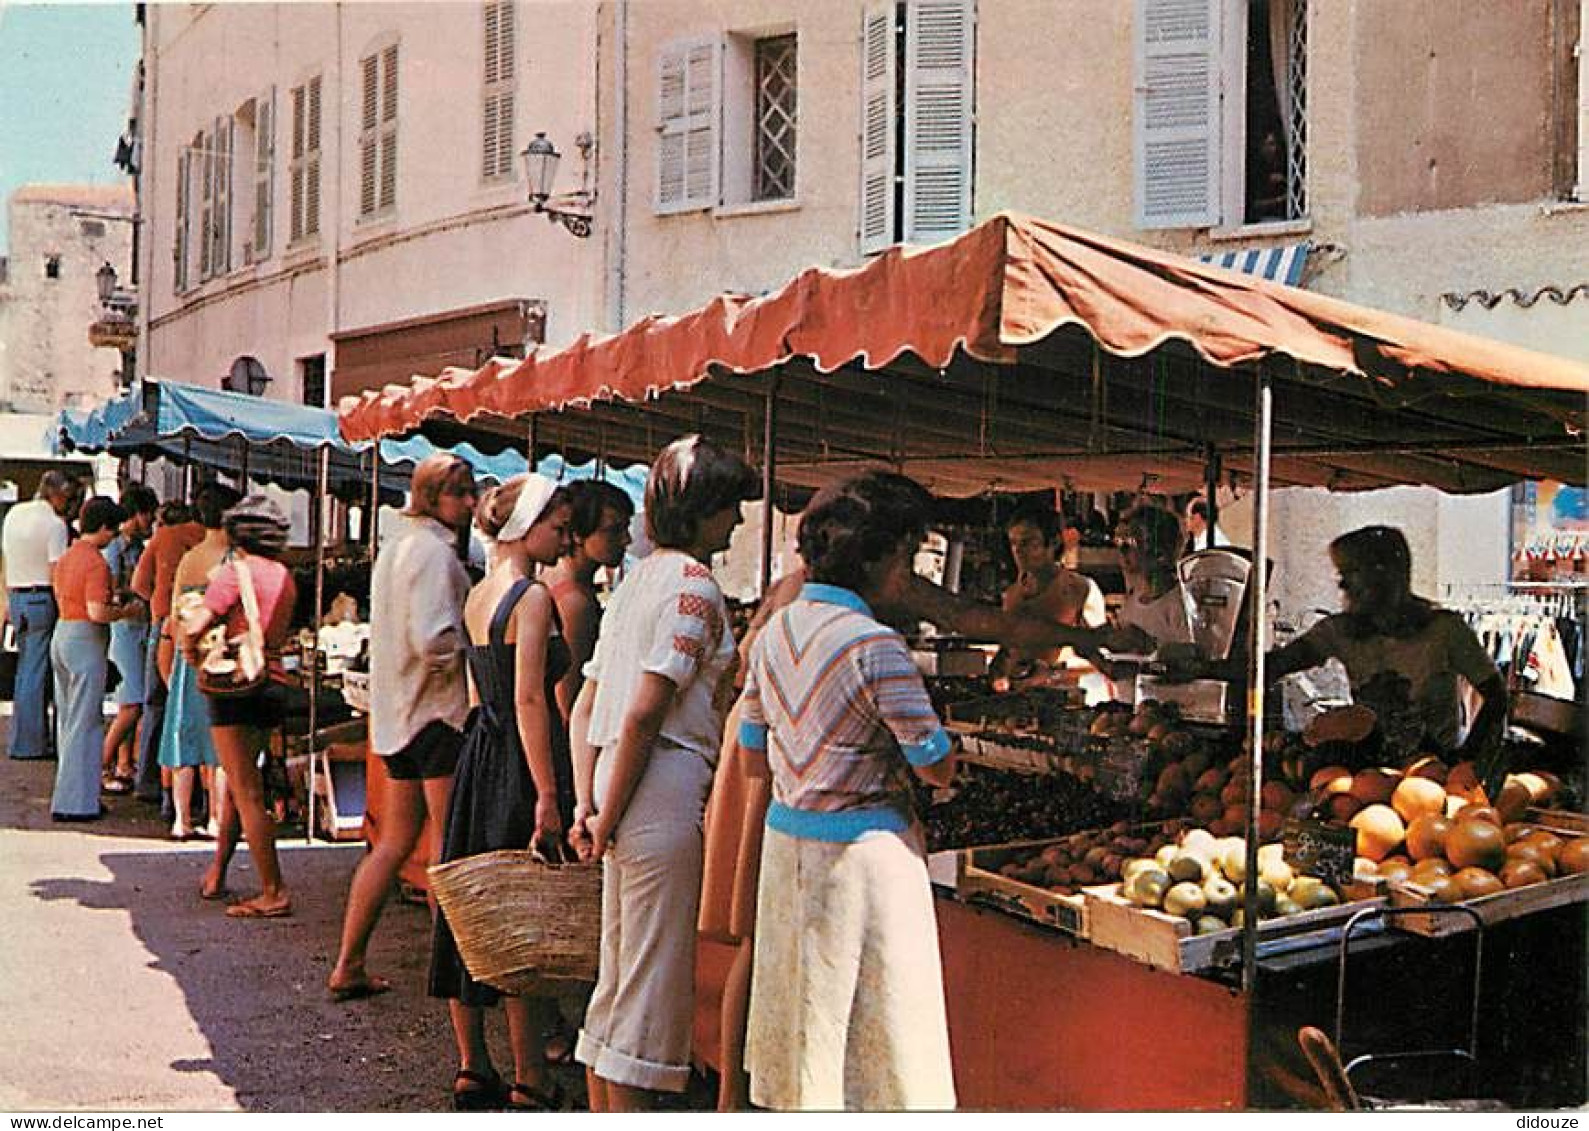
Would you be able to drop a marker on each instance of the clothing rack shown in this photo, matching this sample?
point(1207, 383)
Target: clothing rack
point(1548, 598)
point(1533, 630)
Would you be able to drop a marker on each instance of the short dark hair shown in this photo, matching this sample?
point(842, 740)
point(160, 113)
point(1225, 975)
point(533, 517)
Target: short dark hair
point(100, 513)
point(1158, 532)
point(1383, 549)
point(1039, 517)
point(690, 480)
point(850, 525)
point(213, 501)
point(588, 498)
point(1198, 508)
point(256, 525)
point(174, 512)
point(138, 499)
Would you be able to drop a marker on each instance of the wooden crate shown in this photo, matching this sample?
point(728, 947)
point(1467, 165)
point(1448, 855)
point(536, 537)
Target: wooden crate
point(1497, 908)
point(979, 881)
point(1168, 942)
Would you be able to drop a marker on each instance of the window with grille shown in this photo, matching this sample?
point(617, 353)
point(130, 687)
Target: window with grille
point(496, 114)
point(304, 221)
point(378, 132)
point(776, 99)
point(312, 377)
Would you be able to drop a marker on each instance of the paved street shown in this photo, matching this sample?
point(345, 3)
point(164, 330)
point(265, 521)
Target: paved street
point(122, 990)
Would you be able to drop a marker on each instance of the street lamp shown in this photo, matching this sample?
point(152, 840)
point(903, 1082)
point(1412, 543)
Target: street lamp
point(540, 174)
point(105, 280)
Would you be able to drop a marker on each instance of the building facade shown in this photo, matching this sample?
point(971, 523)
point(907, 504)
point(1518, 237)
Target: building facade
point(61, 236)
point(332, 195)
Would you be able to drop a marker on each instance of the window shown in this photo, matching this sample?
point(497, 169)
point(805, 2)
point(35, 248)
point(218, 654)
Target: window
point(496, 115)
point(378, 132)
point(52, 266)
point(91, 229)
point(312, 379)
point(917, 121)
point(776, 90)
point(687, 125)
point(1203, 160)
point(304, 222)
point(262, 147)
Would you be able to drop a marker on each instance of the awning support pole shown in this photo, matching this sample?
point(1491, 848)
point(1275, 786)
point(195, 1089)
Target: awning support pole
point(1211, 471)
point(373, 522)
point(532, 430)
point(242, 464)
point(187, 470)
point(1259, 592)
point(769, 472)
point(317, 524)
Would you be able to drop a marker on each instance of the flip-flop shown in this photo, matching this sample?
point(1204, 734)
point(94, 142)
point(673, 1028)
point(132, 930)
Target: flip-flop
point(250, 910)
point(216, 896)
point(371, 986)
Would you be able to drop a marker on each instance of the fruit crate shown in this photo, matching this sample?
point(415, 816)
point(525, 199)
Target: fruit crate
point(1169, 943)
point(1497, 908)
point(978, 879)
point(989, 751)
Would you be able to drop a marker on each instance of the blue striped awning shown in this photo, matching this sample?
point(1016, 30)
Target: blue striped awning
point(1277, 264)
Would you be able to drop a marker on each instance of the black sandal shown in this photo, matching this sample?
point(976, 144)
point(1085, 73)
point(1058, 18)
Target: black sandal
point(486, 1096)
point(535, 1099)
point(559, 1045)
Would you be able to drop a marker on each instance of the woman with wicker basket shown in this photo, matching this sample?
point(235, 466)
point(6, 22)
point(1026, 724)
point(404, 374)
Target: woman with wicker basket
point(645, 732)
point(252, 586)
point(513, 788)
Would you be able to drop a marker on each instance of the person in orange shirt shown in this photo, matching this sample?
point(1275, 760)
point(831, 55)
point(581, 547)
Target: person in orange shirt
point(83, 592)
point(176, 534)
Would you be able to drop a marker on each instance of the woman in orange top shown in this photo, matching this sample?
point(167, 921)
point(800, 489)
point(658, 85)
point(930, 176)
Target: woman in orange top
point(77, 652)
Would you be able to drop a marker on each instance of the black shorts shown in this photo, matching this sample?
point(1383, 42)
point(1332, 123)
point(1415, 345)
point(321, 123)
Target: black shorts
point(433, 753)
point(264, 709)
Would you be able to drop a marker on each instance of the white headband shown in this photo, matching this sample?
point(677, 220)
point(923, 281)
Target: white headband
point(537, 492)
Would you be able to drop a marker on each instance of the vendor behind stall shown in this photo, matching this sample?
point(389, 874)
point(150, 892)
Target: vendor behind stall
point(1043, 590)
point(1403, 656)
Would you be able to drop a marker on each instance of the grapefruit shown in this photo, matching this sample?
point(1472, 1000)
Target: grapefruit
point(1379, 831)
point(1418, 797)
point(1476, 843)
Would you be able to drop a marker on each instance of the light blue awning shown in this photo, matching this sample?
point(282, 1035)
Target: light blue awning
point(1277, 264)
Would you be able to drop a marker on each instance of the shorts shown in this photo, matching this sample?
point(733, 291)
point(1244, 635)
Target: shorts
point(264, 709)
point(432, 753)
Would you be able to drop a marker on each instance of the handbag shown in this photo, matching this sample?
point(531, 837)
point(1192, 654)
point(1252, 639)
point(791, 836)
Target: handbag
point(234, 666)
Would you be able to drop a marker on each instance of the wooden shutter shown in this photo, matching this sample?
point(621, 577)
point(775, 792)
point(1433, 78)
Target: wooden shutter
point(388, 195)
point(1176, 125)
point(496, 133)
point(877, 128)
point(940, 40)
point(369, 118)
point(179, 249)
point(264, 171)
point(311, 195)
point(206, 151)
point(222, 260)
point(688, 106)
point(295, 205)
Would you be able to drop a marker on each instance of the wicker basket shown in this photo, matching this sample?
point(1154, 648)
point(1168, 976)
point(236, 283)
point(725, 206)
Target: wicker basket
point(522, 925)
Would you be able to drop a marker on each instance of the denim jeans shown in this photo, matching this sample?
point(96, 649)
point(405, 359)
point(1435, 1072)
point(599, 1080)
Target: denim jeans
point(78, 651)
point(33, 614)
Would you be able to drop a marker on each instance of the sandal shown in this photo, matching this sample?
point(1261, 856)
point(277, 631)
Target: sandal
point(559, 1045)
point(536, 1099)
point(486, 1095)
point(115, 785)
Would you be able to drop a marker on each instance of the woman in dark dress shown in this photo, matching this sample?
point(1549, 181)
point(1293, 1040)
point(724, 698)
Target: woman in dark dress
point(513, 787)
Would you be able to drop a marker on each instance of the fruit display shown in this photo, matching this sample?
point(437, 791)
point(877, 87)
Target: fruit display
point(987, 806)
point(1200, 878)
point(1094, 857)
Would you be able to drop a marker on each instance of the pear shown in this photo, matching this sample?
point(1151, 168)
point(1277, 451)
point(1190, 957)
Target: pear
point(1221, 896)
point(1147, 888)
point(1187, 867)
point(1185, 899)
point(1233, 859)
point(1138, 864)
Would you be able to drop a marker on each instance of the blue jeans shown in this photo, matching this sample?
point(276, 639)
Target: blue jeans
point(33, 613)
point(78, 650)
point(147, 787)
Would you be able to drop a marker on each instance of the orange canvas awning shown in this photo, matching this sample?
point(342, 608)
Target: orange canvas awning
point(1027, 354)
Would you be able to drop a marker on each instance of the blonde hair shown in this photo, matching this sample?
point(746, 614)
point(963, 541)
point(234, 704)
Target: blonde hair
point(432, 477)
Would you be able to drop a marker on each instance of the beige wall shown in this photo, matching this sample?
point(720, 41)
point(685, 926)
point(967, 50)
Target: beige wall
point(452, 241)
point(46, 361)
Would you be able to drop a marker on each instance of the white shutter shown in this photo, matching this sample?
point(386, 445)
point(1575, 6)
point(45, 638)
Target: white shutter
point(877, 128)
point(264, 171)
point(496, 105)
point(311, 195)
point(225, 130)
point(389, 128)
point(295, 207)
point(688, 106)
point(940, 42)
point(1176, 125)
point(179, 250)
point(205, 146)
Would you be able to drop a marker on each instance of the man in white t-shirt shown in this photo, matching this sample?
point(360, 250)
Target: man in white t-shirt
point(33, 538)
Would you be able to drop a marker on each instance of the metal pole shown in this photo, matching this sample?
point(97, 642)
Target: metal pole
point(242, 464)
point(1259, 585)
point(531, 438)
point(769, 472)
point(1211, 490)
point(374, 522)
point(317, 524)
point(187, 470)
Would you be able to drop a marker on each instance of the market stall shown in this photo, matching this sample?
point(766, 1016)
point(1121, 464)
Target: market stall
point(1021, 354)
